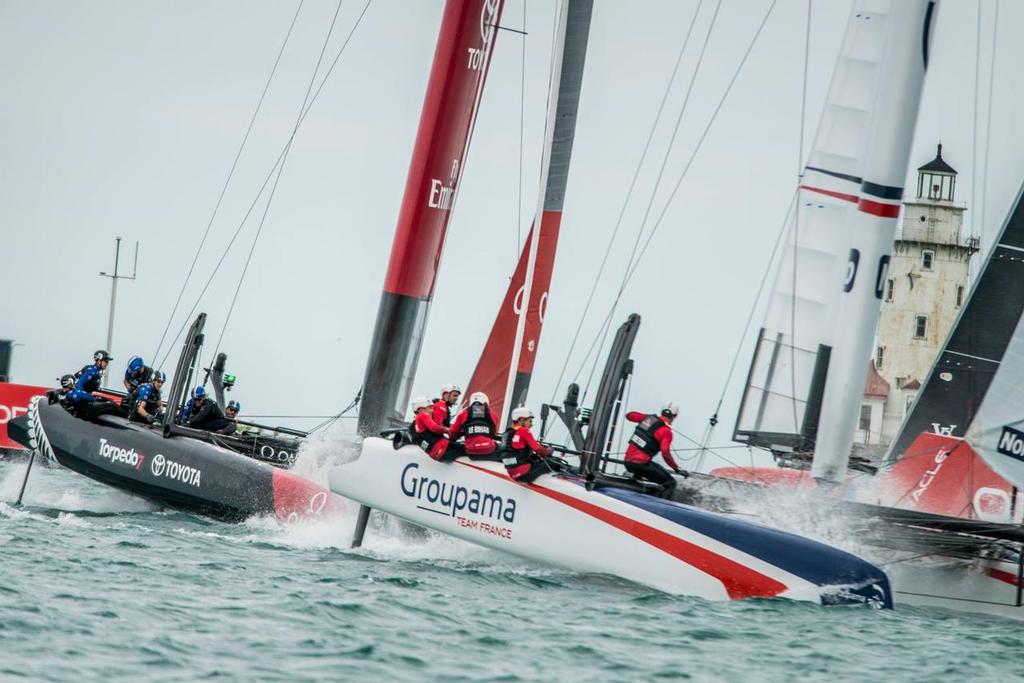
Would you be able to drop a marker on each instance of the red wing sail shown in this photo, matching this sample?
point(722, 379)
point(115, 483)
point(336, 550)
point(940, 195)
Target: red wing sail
point(491, 374)
point(457, 78)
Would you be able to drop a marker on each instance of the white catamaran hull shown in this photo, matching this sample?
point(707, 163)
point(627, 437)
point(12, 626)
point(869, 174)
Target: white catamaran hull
point(658, 543)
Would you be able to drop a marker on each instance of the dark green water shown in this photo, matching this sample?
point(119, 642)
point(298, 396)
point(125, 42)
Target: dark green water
point(99, 586)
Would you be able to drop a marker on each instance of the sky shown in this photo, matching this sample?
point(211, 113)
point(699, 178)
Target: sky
point(123, 119)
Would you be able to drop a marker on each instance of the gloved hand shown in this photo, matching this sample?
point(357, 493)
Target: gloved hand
point(682, 473)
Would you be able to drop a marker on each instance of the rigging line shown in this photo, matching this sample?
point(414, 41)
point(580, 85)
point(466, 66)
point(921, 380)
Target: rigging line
point(625, 203)
point(988, 122)
point(227, 181)
point(270, 175)
point(522, 119)
point(277, 179)
point(655, 188)
point(700, 141)
point(693, 156)
point(330, 421)
point(974, 128)
point(657, 185)
point(796, 229)
point(757, 299)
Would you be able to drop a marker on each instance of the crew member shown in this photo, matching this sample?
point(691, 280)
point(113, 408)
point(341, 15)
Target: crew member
point(653, 435)
point(146, 406)
point(67, 385)
point(231, 411)
point(479, 424)
point(524, 458)
point(208, 416)
point(442, 411)
point(186, 412)
point(80, 398)
point(428, 433)
point(137, 374)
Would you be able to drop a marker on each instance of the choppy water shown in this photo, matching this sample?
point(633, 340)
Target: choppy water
point(97, 585)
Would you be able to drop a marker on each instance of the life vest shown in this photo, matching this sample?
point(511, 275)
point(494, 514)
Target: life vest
point(512, 455)
point(151, 403)
point(643, 436)
point(446, 421)
point(425, 439)
point(479, 422)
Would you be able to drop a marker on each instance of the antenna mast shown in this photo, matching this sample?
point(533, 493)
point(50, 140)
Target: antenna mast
point(113, 296)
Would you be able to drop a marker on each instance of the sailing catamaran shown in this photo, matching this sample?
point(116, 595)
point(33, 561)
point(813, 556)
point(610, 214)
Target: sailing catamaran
point(230, 477)
point(572, 519)
point(954, 515)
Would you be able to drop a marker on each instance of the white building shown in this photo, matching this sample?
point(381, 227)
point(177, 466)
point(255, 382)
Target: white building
point(926, 286)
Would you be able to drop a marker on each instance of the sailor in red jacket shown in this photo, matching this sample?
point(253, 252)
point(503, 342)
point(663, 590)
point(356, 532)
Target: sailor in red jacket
point(442, 410)
point(653, 435)
point(523, 456)
point(426, 433)
point(479, 424)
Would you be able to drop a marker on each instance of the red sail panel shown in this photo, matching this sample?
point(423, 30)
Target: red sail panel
point(943, 475)
point(446, 122)
point(491, 374)
point(14, 400)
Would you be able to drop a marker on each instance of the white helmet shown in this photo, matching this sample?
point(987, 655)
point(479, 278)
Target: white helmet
point(450, 387)
point(670, 409)
point(478, 397)
point(521, 413)
point(421, 402)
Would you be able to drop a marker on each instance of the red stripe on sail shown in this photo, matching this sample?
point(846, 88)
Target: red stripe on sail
point(831, 193)
point(739, 580)
point(458, 71)
point(491, 373)
point(865, 205)
point(878, 208)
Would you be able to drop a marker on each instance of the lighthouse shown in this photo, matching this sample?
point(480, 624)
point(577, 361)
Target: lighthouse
point(926, 287)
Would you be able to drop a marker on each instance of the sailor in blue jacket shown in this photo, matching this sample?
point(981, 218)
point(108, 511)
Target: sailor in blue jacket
point(137, 374)
point(89, 378)
point(194, 403)
point(147, 404)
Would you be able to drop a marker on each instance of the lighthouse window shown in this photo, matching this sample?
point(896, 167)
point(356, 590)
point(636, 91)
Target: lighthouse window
point(879, 357)
point(927, 256)
point(959, 295)
point(890, 284)
point(920, 327)
point(865, 418)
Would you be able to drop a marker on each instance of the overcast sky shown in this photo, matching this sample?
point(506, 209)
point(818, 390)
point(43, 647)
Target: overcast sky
point(123, 119)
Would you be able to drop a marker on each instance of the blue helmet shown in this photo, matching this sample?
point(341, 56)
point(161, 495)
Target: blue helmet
point(235, 406)
point(159, 376)
point(199, 392)
point(136, 364)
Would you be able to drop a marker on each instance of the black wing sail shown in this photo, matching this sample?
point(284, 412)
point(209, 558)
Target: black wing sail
point(963, 371)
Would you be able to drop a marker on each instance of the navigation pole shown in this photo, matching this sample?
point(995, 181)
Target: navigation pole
point(113, 296)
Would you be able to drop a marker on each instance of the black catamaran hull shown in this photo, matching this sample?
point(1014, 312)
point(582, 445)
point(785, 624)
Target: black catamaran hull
point(178, 472)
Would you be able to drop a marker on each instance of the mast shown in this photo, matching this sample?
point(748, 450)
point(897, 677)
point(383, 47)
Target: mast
point(457, 77)
point(872, 228)
point(506, 363)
